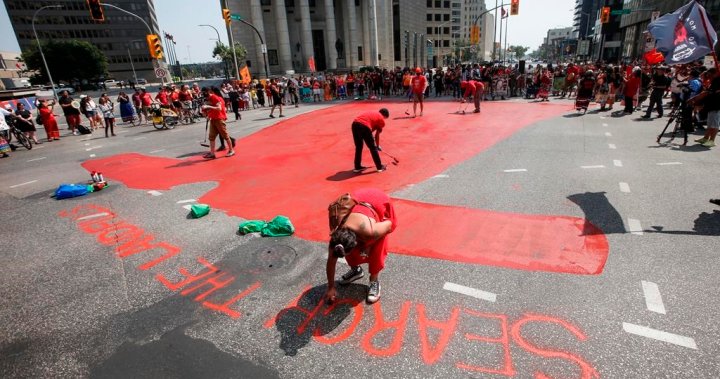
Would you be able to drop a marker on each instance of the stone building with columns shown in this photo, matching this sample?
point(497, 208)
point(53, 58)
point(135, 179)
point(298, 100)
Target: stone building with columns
point(337, 34)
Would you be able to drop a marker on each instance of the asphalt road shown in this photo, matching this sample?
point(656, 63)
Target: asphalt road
point(163, 295)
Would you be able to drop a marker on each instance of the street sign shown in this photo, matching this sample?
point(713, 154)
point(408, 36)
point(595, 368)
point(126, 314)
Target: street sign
point(583, 47)
point(654, 16)
point(473, 48)
point(160, 72)
point(263, 49)
point(620, 11)
point(236, 17)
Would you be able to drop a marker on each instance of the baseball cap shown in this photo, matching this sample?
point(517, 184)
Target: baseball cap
point(418, 70)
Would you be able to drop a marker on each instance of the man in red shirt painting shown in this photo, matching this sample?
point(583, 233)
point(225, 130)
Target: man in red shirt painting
point(362, 129)
point(418, 84)
point(215, 108)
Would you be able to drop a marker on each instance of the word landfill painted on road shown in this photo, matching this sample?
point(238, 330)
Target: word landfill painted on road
point(131, 240)
point(305, 318)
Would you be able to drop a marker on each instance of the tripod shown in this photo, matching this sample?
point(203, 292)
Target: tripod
point(680, 116)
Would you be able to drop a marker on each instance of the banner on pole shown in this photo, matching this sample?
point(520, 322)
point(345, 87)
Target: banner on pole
point(245, 75)
point(311, 64)
point(685, 35)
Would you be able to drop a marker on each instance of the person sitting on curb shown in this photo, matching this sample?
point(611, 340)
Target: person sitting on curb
point(362, 238)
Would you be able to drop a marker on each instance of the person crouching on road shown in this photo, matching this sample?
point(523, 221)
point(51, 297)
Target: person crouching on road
point(474, 89)
point(215, 107)
point(362, 128)
point(363, 238)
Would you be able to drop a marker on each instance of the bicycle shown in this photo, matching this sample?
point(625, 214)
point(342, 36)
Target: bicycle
point(19, 135)
point(163, 118)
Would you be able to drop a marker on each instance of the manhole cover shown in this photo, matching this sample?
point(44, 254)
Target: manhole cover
point(273, 258)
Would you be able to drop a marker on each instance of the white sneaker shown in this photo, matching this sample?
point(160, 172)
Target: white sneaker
point(373, 292)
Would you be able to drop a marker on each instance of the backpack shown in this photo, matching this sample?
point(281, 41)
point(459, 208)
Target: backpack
point(339, 210)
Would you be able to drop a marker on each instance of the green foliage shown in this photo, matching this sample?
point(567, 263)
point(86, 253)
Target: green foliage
point(225, 53)
point(67, 60)
point(519, 51)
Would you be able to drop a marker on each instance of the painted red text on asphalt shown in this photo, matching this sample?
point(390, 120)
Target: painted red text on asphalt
point(131, 240)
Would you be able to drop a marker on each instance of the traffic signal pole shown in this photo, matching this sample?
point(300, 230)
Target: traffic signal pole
point(150, 31)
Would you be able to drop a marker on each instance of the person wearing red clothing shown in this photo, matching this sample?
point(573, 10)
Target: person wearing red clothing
point(215, 108)
point(162, 98)
point(362, 128)
point(49, 122)
point(632, 85)
point(475, 89)
point(418, 85)
point(363, 238)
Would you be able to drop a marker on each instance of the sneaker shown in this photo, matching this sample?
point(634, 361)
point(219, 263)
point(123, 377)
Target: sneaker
point(382, 168)
point(709, 144)
point(701, 140)
point(352, 275)
point(75, 133)
point(221, 148)
point(230, 154)
point(282, 115)
point(361, 169)
point(271, 116)
point(209, 156)
point(715, 201)
point(373, 292)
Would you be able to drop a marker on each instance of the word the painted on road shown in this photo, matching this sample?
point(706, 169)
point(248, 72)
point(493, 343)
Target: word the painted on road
point(130, 240)
point(445, 329)
point(317, 171)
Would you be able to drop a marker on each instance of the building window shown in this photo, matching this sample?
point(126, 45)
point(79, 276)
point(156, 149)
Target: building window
point(265, 3)
point(272, 57)
point(429, 16)
point(446, 4)
point(429, 30)
point(360, 53)
point(429, 3)
point(438, 17)
point(446, 43)
point(446, 30)
point(446, 17)
point(438, 4)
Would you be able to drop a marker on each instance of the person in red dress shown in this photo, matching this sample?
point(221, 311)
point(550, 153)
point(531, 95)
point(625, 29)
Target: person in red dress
point(49, 121)
point(418, 85)
point(363, 238)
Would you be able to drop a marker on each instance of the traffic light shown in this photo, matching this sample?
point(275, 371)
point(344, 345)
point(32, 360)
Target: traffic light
point(605, 15)
point(514, 7)
point(475, 34)
point(155, 46)
point(96, 10)
point(226, 15)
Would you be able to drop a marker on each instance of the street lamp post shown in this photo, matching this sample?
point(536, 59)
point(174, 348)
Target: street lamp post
point(42, 55)
point(217, 44)
point(131, 59)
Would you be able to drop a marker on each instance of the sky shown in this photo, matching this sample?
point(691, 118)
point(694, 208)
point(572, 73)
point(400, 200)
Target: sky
point(181, 17)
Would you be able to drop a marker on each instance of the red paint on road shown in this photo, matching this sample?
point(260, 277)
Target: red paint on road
point(298, 166)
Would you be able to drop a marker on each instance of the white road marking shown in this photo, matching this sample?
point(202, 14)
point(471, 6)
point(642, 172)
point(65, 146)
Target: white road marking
point(476, 293)
point(604, 124)
point(157, 151)
point(516, 170)
point(624, 187)
point(87, 144)
point(596, 166)
point(186, 201)
point(612, 146)
point(659, 335)
point(155, 193)
point(653, 299)
point(441, 176)
point(93, 148)
point(635, 227)
point(37, 159)
point(668, 163)
point(603, 117)
point(608, 134)
point(188, 207)
point(93, 155)
point(95, 215)
point(617, 163)
point(38, 147)
point(23, 184)
point(138, 138)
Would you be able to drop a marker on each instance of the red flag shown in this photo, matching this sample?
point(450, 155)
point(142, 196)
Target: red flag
point(311, 64)
point(654, 57)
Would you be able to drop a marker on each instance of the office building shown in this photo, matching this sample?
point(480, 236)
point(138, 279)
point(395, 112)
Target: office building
point(556, 43)
point(121, 37)
point(585, 15)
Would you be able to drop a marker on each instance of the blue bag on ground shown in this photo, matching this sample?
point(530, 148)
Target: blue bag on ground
point(66, 191)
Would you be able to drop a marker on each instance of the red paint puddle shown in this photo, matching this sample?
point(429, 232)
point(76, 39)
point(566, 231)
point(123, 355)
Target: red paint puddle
point(298, 166)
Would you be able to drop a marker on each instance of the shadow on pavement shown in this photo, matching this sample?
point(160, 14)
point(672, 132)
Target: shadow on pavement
point(707, 224)
point(297, 329)
point(345, 175)
point(175, 355)
point(599, 212)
